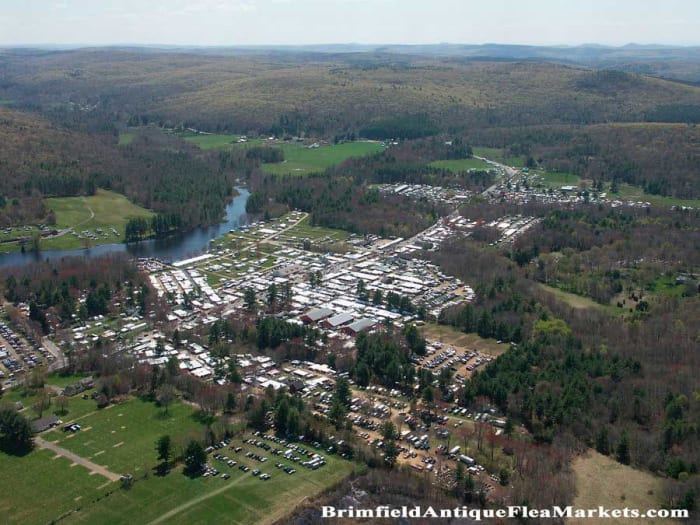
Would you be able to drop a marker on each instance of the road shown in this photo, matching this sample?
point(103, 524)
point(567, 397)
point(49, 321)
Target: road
point(92, 467)
point(509, 171)
point(61, 362)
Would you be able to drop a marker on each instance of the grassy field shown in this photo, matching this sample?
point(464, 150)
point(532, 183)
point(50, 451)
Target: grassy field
point(121, 437)
point(601, 480)
point(557, 179)
point(460, 165)
point(633, 193)
point(575, 301)
point(104, 210)
point(451, 336)
point(498, 155)
point(304, 230)
point(41, 477)
point(300, 159)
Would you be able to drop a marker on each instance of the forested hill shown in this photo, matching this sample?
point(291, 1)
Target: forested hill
point(40, 159)
point(325, 94)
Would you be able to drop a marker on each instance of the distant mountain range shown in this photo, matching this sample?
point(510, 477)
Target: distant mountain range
point(672, 62)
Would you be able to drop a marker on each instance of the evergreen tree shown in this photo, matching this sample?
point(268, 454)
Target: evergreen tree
point(622, 453)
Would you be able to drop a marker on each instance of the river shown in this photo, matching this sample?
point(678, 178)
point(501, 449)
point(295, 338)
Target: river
point(173, 248)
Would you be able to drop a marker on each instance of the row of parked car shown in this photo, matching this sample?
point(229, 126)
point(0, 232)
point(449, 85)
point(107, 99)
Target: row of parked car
point(208, 470)
point(30, 356)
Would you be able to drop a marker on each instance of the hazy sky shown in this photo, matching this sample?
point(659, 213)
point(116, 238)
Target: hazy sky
point(244, 22)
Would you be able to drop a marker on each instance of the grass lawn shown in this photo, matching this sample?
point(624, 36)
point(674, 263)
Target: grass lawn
point(601, 480)
point(300, 159)
point(122, 437)
point(104, 210)
point(498, 155)
point(460, 165)
point(451, 336)
point(38, 488)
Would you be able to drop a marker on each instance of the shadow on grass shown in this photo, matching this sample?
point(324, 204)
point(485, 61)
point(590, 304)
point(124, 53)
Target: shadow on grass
point(12, 449)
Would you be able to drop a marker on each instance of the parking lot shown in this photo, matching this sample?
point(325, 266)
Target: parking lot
point(18, 353)
point(263, 455)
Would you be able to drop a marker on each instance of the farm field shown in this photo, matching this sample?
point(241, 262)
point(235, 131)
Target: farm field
point(301, 160)
point(460, 165)
point(602, 481)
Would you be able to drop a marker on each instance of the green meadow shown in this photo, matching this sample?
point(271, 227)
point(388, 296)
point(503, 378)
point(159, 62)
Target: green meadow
point(301, 159)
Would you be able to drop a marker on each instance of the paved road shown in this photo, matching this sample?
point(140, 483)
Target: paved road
point(92, 467)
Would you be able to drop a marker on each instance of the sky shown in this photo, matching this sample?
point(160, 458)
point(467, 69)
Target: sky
point(301, 22)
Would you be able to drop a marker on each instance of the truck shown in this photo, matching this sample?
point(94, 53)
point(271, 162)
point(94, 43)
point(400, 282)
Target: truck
point(467, 460)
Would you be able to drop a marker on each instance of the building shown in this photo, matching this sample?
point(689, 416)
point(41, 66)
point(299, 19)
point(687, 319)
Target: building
point(338, 320)
point(362, 325)
point(316, 315)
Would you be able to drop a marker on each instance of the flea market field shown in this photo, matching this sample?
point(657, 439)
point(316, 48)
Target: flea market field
point(104, 210)
point(448, 335)
point(300, 159)
point(84, 216)
point(243, 499)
